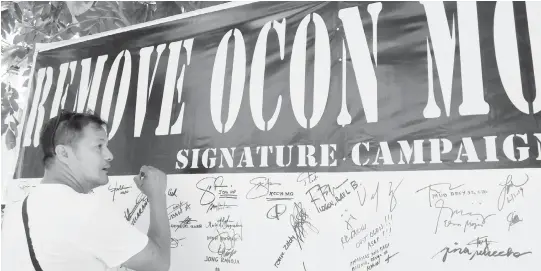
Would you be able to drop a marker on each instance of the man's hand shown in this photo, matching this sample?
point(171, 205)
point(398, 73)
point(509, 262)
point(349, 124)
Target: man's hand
point(151, 181)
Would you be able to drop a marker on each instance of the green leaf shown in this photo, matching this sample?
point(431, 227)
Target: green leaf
point(18, 12)
point(4, 88)
point(11, 140)
point(46, 13)
point(5, 111)
point(78, 8)
point(5, 105)
point(19, 38)
point(4, 128)
point(24, 5)
point(13, 126)
point(64, 16)
point(14, 94)
point(14, 106)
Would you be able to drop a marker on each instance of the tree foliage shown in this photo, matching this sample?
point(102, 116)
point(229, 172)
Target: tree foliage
point(25, 23)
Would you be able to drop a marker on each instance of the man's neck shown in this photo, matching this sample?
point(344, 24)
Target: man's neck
point(59, 176)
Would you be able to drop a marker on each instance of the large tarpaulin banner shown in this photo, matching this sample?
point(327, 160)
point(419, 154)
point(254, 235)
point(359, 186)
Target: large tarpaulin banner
point(307, 86)
point(317, 135)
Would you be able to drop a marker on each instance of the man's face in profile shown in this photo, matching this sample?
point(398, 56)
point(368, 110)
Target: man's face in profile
point(92, 156)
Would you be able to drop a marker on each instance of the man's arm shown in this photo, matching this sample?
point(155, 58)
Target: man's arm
point(157, 253)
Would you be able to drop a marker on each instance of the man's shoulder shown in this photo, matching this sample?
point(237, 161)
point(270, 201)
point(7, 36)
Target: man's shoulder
point(60, 202)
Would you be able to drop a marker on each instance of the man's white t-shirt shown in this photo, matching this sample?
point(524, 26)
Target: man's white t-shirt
point(69, 231)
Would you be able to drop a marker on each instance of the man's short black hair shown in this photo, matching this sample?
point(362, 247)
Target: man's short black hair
point(65, 129)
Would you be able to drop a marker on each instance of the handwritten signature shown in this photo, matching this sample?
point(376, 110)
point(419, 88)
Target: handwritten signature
point(375, 196)
point(175, 242)
point(307, 177)
point(177, 209)
point(392, 195)
point(513, 219)
point(276, 211)
point(505, 194)
point(122, 189)
point(486, 251)
point(224, 223)
point(260, 187)
point(183, 224)
point(172, 192)
point(479, 220)
point(363, 200)
point(223, 243)
point(329, 195)
point(209, 185)
point(348, 223)
point(299, 220)
point(432, 189)
point(140, 200)
point(389, 257)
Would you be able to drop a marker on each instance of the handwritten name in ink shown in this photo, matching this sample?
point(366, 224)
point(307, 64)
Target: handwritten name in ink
point(511, 191)
point(276, 211)
point(306, 178)
point(133, 215)
point(324, 197)
point(224, 245)
point(513, 219)
point(210, 186)
point(261, 187)
point(186, 223)
point(177, 209)
point(176, 242)
point(373, 258)
point(122, 189)
point(459, 218)
point(224, 223)
point(482, 249)
point(172, 192)
point(439, 190)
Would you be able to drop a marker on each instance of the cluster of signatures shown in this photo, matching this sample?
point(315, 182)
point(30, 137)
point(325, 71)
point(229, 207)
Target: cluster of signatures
point(226, 234)
point(264, 187)
point(324, 197)
point(451, 217)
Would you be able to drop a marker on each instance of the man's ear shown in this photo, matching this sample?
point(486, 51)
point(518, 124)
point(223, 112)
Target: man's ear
point(104, 127)
point(63, 153)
